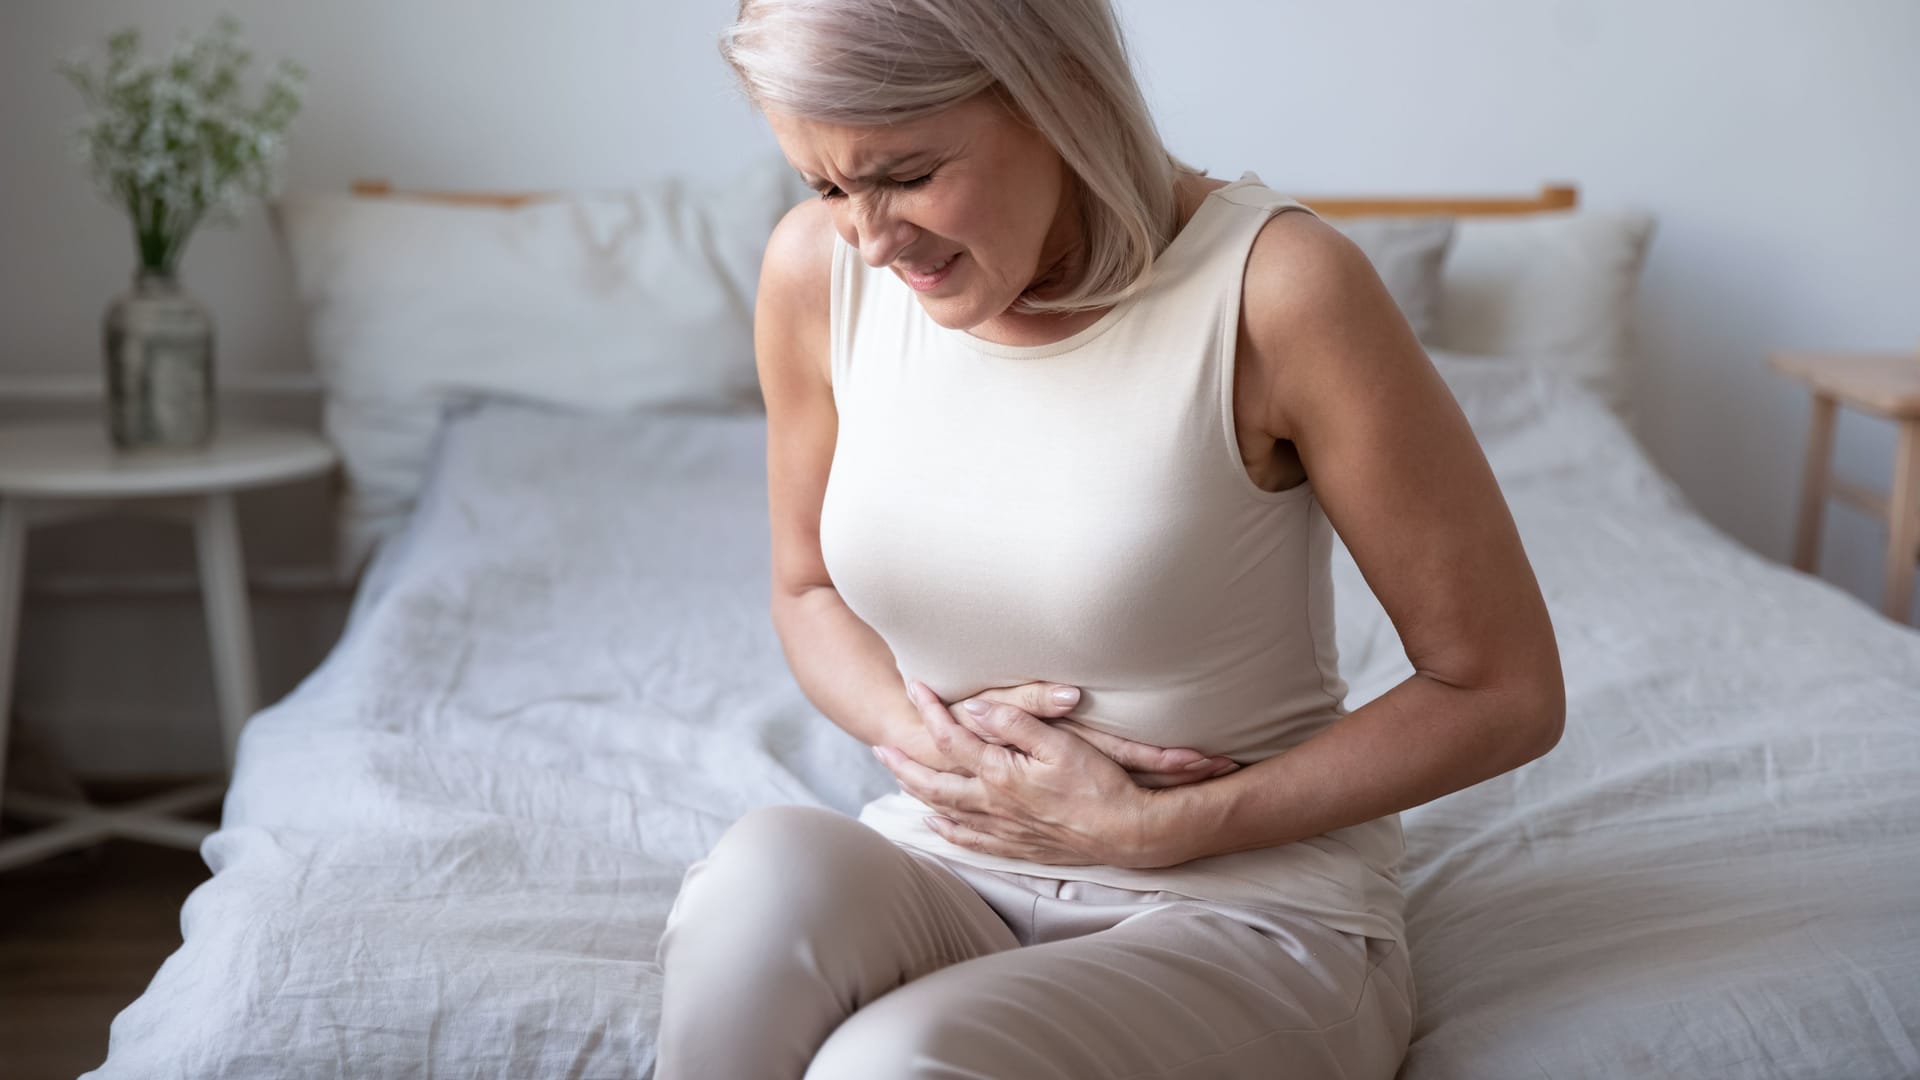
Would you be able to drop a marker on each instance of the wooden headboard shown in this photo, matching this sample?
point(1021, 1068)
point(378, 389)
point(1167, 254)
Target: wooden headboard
point(1551, 197)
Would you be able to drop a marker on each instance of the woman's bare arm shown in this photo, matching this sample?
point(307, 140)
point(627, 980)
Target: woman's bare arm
point(1401, 476)
point(841, 664)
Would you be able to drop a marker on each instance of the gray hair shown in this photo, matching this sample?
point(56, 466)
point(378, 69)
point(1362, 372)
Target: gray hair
point(1060, 65)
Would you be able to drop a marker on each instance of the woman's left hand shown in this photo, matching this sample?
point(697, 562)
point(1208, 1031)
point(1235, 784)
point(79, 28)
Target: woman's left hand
point(1047, 796)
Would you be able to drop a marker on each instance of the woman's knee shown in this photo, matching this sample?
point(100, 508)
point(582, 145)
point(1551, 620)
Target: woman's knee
point(794, 847)
point(779, 869)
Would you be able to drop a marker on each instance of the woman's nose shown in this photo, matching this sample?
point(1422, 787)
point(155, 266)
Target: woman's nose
point(882, 240)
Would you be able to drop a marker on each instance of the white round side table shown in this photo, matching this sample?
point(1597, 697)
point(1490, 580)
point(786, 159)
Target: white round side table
point(58, 472)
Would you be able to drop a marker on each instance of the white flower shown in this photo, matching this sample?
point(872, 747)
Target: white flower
point(171, 141)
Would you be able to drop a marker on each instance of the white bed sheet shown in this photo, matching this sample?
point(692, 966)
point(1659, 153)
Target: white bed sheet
point(451, 850)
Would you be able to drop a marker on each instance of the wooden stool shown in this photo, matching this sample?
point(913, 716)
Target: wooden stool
point(1885, 385)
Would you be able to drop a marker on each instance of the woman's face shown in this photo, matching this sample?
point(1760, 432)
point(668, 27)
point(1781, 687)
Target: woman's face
point(971, 184)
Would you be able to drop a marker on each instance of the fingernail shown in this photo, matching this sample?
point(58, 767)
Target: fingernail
point(1203, 763)
point(1066, 695)
point(914, 693)
point(978, 707)
point(878, 754)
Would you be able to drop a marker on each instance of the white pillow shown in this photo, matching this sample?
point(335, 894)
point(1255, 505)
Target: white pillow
point(1557, 288)
point(609, 301)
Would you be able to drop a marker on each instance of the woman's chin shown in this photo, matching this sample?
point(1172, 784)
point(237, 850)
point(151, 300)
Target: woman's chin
point(963, 310)
point(952, 312)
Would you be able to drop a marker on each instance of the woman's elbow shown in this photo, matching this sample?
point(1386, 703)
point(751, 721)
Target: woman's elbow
point(1543, 713)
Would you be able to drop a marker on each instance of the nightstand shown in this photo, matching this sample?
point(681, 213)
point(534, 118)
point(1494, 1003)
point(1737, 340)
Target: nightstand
point(1885, 385)
point(58, 472)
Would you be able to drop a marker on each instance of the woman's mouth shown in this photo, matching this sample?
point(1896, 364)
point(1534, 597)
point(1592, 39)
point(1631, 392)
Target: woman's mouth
point(939, 273)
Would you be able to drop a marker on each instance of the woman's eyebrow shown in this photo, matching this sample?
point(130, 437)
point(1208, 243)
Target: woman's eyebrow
point(879, 172)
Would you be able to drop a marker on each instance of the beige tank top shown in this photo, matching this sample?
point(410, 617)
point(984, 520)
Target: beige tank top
point(1078, 512)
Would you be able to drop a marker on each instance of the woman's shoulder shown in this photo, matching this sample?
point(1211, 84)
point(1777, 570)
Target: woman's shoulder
point(796, 281)
point(1303, 269)
point(798, 262)
point(1292, 248)
point(1306, 287)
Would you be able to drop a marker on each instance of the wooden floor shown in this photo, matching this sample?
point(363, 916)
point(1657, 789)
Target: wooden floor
point(81, 935)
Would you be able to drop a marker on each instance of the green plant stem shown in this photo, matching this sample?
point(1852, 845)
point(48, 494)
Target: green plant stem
point(159, 238)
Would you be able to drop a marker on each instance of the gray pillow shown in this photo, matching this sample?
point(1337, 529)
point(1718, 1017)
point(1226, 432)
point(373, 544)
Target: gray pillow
point(1407, 253)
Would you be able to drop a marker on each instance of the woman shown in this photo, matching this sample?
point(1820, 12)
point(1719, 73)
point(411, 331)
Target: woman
point(1050, 411)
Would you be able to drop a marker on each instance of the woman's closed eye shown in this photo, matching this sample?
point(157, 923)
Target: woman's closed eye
point(918, 181)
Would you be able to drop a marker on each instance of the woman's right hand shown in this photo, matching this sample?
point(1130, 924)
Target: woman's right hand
point(1149, 765)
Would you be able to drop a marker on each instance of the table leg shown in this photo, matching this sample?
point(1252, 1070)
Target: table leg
point(1903, 523)
point(223, 582)
point(13, 552)
point(1813, 485)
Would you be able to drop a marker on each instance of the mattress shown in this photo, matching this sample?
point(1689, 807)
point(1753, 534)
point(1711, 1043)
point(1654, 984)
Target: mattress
point(451, 850)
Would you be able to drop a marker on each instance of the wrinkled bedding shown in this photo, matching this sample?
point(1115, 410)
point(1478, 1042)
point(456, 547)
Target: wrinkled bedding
point(450, 851)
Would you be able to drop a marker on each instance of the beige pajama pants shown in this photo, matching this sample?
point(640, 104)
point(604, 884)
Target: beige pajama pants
point(806, 944)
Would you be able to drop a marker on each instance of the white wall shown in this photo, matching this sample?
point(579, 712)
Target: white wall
point(1778, 143)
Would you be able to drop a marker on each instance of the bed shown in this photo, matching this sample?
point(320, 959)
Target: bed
point(451, 850)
